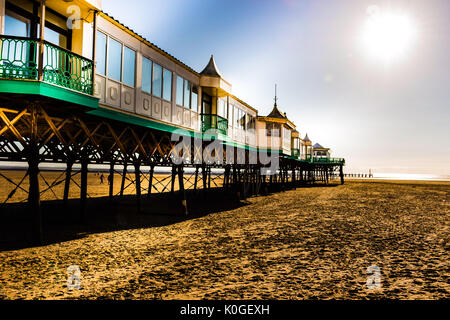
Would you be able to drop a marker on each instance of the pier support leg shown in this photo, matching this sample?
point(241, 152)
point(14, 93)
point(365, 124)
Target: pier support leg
point(67, 183)
point(174, 174)
point(111, 181)
point(83, 190)
point(137, 175)
point(205, 179)
point(341, 174)
point(182, 190)
point(124, 177)
point(150, 182)
point(196, 178)
point(34, 201)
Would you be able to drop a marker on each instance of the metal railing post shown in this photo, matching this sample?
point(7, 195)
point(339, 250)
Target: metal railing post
point(41, 42)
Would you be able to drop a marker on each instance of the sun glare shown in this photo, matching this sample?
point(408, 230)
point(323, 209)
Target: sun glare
point(387, 35)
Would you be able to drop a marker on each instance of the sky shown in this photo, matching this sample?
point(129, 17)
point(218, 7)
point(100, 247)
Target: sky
point(391, 116)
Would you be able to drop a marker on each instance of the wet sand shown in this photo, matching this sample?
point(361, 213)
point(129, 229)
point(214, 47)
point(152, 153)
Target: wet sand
point(309, 243)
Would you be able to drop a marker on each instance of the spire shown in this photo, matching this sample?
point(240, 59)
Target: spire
point(276, 98)
point(275, 112)
point(211, 69)
point(306, 139)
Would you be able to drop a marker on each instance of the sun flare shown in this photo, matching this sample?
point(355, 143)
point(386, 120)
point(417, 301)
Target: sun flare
point(387, 35)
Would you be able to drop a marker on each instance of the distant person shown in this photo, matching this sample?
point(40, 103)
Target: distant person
point(101, 178)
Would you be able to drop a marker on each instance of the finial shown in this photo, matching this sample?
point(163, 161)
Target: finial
point(276, 98)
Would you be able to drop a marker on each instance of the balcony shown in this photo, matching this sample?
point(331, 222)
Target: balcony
point(328, 160)
point(215, 123)
point(296, 153)
point(19, 60)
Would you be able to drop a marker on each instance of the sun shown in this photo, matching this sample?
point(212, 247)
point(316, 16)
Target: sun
point(387, 35)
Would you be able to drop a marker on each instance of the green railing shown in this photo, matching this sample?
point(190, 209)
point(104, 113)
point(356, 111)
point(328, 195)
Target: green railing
point(67, 69)
point(19, 60)
point(329, 160)
point(296, 153)
point(214, 122)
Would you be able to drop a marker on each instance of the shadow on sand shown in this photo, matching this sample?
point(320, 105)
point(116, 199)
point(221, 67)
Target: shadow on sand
point(64, 223)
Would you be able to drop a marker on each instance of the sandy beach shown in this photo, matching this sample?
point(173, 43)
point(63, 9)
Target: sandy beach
point(308, 243)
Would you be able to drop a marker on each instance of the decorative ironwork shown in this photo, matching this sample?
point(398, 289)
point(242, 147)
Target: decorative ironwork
point(67, 69)
point(214, 122)
point(19, 60)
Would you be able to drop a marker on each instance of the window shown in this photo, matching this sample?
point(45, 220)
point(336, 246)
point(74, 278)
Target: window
point(18, 51)
point(157, 80)
point(250, 122)
point(114, 60)
point(239, 118)
point(286, 136)
point(272, 130)
point(206, 103)
point(146, 75)
point(194, 103)
point(187, 94)
point(179, 91)
point(16, 25)
point(101, 53)
point(222, 109)
point(55, 37)
point(242, 119)
point(129, 66)
point(167, 85)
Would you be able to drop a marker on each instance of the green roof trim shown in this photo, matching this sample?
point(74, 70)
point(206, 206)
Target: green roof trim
point(47, 90)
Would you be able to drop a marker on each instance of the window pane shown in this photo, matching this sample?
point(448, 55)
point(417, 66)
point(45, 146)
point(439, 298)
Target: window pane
point(101, 53)
point(146, 75)
point(222, 111)
point(179, 91)
point(187, 94)
point(194, 102)
point(129, 66)
point(167, 85)
point(55, 37)
point(114, 60)
point(15, 51)
point(157, 80)
point(16, 27)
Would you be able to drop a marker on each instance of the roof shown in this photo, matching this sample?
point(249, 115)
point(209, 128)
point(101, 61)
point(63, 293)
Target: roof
point(306, 138)
point(211, 69)
point(151, 44)
point(276, 113)
point(319, 146)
